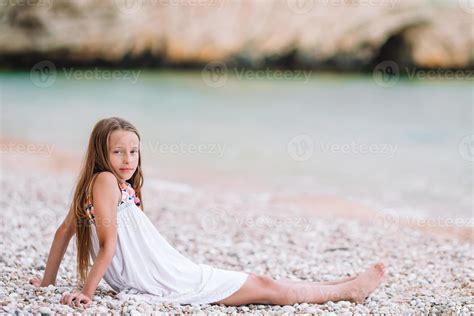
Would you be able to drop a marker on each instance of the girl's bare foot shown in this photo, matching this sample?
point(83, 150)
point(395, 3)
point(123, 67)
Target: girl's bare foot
point(366, 282)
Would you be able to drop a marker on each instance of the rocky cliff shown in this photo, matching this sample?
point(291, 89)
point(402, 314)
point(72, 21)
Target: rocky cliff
point(334, 34)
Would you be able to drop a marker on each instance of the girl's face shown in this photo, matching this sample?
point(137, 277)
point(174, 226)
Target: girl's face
point(123, 153)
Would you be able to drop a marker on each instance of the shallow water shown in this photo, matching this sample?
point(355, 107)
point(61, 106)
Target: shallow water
point(405, 149)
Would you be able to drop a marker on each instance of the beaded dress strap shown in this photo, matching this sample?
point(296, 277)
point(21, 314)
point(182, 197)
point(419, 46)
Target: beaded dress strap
point(128, 194)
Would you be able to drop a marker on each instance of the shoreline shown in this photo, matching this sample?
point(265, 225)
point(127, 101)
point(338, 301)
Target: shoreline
point(324, 206)
point(320, 205)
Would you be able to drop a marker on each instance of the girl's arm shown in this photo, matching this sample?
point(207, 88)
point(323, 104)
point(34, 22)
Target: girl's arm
point(59, 246)
point(106, 195)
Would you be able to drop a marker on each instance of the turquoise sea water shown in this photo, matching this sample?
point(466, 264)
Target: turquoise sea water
point(407, 147)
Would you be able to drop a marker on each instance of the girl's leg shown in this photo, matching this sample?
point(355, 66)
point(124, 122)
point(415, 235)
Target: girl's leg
point(258, 289)
point(332, 282)
point(311, 292)
point(265, 290)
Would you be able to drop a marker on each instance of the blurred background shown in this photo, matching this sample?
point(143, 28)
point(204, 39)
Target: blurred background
point(366, 100)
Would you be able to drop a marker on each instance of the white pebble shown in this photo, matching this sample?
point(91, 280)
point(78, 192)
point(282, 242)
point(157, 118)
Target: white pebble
point(44, 310)
point(289, 309)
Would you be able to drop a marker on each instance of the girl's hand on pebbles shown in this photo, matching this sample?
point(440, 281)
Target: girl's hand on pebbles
point(75, 299)
point(36, 281)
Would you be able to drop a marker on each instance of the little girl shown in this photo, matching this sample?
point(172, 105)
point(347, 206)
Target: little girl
point(127, 250)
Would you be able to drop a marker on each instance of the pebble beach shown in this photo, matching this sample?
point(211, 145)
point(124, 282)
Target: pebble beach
point(307, 147)
point(425, 273)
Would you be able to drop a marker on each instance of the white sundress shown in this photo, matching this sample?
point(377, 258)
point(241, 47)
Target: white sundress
point(147, 268)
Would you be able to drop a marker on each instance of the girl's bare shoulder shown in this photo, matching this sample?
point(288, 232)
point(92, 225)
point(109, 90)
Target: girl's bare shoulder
point(106, 185)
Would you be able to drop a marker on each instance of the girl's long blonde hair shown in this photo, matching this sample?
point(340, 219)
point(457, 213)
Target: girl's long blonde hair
point(96, 160)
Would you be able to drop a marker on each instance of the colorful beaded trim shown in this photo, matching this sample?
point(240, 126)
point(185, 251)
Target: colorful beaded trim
point(128, 194)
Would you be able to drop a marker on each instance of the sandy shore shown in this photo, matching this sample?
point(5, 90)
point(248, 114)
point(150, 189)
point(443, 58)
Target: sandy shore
point(240, 228)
